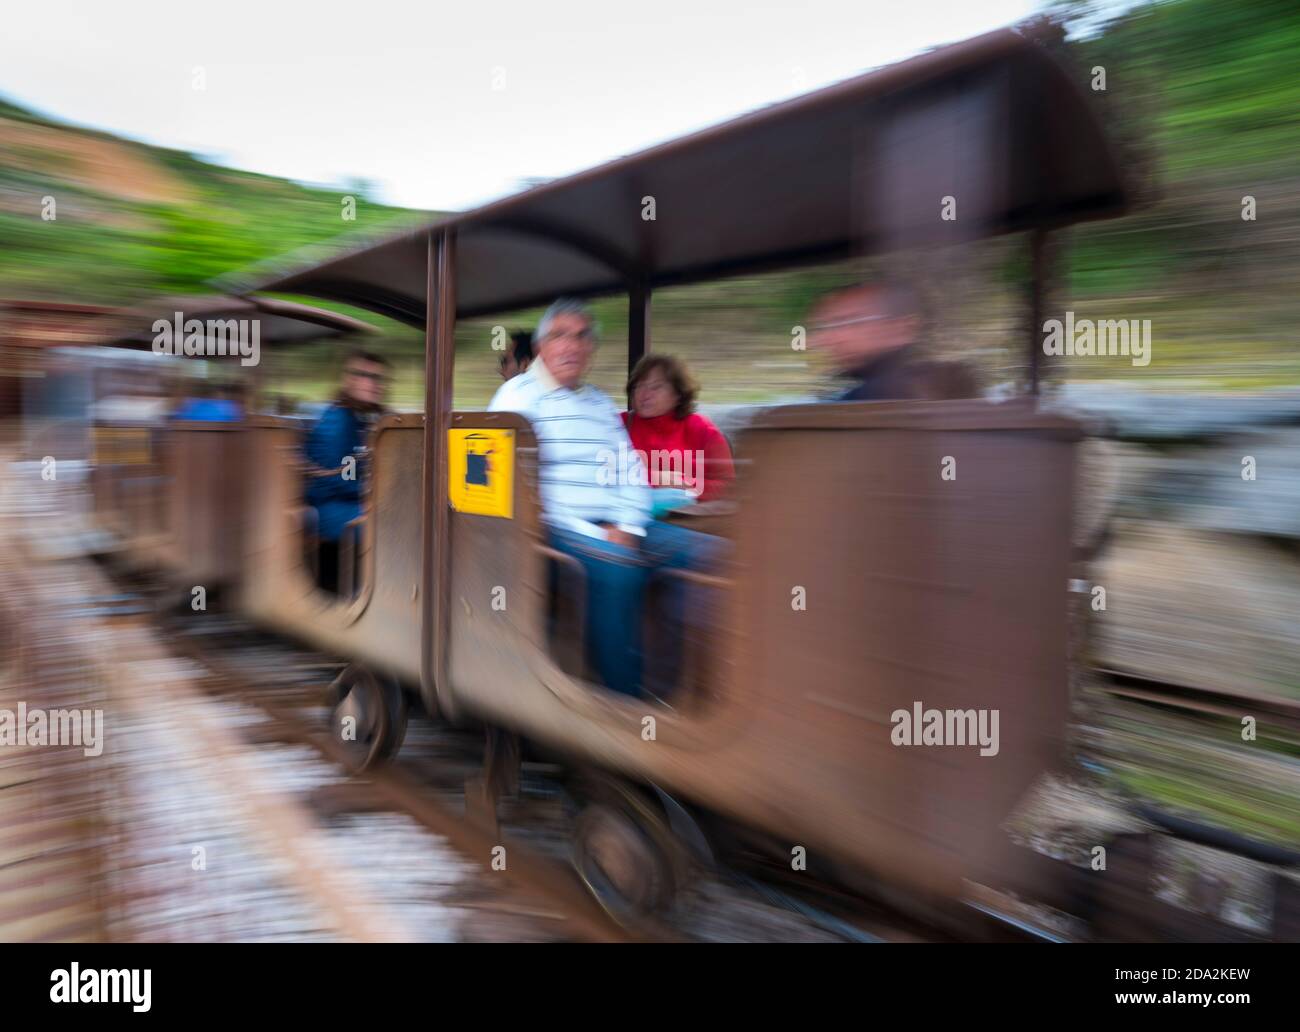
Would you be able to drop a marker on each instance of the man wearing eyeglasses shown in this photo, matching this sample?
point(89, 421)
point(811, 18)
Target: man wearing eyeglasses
point(596, 501)
point(869, 333)
point(335, 447)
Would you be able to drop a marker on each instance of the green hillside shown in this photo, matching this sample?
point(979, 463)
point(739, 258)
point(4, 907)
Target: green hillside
point(134, 220)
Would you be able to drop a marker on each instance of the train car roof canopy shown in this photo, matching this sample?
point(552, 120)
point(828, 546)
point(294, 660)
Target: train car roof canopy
point(279, 322)
point(997, 125)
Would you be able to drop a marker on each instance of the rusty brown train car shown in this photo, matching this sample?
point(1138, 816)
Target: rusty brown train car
point(955, 595)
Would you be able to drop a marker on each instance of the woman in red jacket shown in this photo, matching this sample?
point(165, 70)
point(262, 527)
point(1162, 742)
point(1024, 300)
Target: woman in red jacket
point(685, 455)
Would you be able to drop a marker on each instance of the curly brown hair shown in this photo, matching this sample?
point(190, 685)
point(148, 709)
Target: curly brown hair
point(677, 375)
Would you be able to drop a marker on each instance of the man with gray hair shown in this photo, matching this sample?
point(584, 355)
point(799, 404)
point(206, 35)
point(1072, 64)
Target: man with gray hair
point(595, 496)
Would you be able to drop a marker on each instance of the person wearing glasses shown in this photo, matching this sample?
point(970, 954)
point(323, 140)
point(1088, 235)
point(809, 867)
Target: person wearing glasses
point(335, 448)
point(596, 504)
point(869, 333)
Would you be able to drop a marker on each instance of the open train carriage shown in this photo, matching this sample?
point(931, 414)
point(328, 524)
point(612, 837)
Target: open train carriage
point(920, 590)
point(168, 492)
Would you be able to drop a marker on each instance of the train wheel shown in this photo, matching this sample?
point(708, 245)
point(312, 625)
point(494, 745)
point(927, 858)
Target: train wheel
point(623, 865)
point(369, 716)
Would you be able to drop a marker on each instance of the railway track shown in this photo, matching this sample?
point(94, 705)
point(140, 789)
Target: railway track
point(398, 787)
point(528, 884)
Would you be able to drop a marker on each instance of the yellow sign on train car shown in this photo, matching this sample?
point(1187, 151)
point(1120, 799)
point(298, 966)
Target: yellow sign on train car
point(481, 472)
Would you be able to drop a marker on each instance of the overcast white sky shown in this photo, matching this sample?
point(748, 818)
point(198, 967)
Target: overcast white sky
point(405, 93)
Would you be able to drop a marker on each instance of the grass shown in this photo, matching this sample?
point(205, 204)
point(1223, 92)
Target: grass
point(1266, 814)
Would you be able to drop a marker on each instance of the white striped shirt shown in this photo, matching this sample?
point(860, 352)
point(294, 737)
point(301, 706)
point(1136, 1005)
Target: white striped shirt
point(588, 471)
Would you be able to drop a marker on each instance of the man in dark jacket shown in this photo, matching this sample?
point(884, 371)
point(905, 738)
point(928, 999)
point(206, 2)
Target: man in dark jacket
point(869, 332)
point(335, 449)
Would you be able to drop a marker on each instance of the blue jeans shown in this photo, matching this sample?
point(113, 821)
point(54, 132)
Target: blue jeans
point(617, 579)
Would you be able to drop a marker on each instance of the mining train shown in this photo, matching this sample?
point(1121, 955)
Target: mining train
point(919, 590)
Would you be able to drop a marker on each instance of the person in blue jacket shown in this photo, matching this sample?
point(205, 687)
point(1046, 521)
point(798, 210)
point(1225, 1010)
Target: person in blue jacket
point(335, 448)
